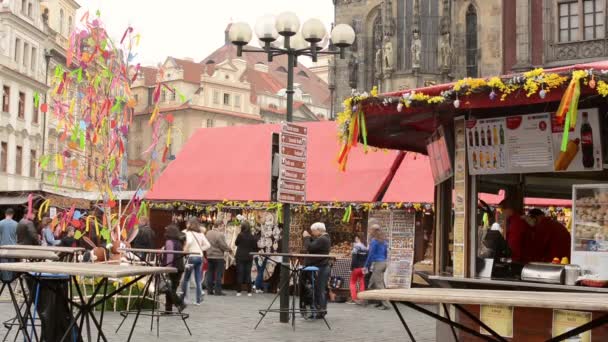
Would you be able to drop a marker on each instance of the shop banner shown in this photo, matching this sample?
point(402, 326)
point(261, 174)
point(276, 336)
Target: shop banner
point(532, 143)
point(566, 320)
point(498, 318)
point(584, 149)
point(460, 207)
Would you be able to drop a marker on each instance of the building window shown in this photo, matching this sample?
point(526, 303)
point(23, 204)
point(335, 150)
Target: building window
point(34, 59)
point(17, 49)
point(19, 160)
point(34, 111)
point(471, 41)
point(69, 24)
point(61, 19)
point(29, 9)
point(21, 112)
point(568, 21)
point(163, 96)
point(23, 7)
point(226, 99)
point(136, 98)
point(26, 56)
point(172, 95)
point(237, 101)
point(209, 123)
point(216, 97)
point(33, 163)
point(6, 99)
point(593, 19)
point(3, 157)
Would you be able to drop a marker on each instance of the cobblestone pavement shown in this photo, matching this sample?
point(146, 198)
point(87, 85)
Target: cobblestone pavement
point(232, 318)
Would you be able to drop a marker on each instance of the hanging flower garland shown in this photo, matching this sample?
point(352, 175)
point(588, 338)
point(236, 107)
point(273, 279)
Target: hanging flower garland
point(351, 122)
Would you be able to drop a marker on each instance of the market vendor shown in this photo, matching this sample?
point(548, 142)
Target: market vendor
point(551, 239)
point(519, 232)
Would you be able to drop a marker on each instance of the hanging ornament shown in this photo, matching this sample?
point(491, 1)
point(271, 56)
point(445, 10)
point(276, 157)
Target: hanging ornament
point(355, 108)
point(592, 82)
point(457, 103)
point(542, 93)
point(400, 107)
point(493, 95)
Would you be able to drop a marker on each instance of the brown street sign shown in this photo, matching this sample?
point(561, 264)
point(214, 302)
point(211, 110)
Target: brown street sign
point(292, 198)
point(291, 139)
point(293, 175)
point(293, 152)
point(293, 163)
point(294, 129)
point(292, 186)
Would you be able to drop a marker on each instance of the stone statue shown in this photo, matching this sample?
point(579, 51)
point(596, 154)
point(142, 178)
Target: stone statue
point(353, 70)
point(378, 62)
point(6, 3)
point(445, 50)
point(388, 54)
point(416, 50)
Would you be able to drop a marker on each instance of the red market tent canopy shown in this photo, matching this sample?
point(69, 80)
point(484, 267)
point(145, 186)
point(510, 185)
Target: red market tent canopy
point(234, 163)
point(408, 129)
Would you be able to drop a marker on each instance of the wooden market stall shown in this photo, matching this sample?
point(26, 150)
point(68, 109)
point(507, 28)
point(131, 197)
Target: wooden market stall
point(505, 136)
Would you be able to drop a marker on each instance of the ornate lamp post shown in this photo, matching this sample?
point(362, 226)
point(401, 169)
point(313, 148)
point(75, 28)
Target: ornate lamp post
point(285, 29)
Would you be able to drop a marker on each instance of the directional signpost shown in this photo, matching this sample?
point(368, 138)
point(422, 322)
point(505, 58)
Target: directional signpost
point(292, 177)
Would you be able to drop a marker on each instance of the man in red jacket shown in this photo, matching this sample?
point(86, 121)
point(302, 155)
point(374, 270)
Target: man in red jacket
point(519, 234)
point(551, 238)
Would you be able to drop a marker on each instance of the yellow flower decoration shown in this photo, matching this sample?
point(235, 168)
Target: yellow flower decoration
point(602, 88)
point(374, 91)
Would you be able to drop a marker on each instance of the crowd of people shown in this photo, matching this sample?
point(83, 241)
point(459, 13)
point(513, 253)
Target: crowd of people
point(205, 258)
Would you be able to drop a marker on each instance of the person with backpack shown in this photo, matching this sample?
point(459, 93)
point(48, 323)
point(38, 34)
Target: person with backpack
point(174, 241)
point(196, 244)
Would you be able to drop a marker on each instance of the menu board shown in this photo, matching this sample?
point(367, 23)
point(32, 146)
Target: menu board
point(584, 149)
point(460, 186)
point(437, 150)
point(498, 318)
point(566, 320)
point(532, 143)
point(399, 228)
point(401, 255)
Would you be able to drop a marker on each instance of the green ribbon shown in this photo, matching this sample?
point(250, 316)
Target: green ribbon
point(347, 214)
point(485, 220)
point(571, 116)
point(36, 99)
point(363, 129)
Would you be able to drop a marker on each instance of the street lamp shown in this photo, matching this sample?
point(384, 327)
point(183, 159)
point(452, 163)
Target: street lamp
point(282, 35)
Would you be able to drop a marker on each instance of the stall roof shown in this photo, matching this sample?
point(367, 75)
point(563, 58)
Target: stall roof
point(234, 163)
point(408, 129)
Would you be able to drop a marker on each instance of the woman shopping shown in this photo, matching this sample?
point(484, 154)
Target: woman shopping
point(246, 243)
point(196, 244)
point(376, 261)
point(174, 241)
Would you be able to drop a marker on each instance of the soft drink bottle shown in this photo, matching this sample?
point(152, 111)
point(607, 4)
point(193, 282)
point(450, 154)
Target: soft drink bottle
point(587, 142)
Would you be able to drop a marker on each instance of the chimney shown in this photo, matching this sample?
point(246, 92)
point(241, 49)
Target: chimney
point(226, 38)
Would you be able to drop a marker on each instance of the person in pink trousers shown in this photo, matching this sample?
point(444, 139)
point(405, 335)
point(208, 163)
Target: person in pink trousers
point(359, 256)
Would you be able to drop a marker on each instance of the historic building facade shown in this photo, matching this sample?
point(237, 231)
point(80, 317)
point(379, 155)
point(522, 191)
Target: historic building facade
point(404, 44)
point(552, 33)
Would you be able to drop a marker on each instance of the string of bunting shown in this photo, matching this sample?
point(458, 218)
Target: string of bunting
point(325, 207)
point(352, 125)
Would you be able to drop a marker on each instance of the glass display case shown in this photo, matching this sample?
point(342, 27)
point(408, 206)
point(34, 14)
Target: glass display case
point(590, 218)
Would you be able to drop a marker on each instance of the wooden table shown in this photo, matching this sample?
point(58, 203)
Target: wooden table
point(27, 255)
point(459, 297)
point(65, 253)
point(156, 312)
point(291, 263)
point(86, 308)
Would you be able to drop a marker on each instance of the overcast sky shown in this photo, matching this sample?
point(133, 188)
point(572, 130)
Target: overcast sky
point(191, 28)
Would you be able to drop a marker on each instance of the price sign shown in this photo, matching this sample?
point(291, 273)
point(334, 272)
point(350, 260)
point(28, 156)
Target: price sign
point(292, 175)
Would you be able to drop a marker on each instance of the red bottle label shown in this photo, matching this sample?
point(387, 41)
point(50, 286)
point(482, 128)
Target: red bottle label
point(587, 138)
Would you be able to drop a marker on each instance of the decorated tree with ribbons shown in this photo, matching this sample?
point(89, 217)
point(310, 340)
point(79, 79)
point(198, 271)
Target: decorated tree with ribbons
point(92, 102)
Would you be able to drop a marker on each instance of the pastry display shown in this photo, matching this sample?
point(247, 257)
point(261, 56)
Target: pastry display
point(591, 220)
